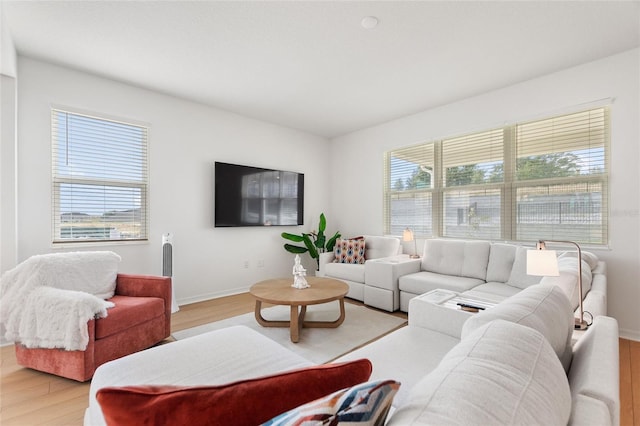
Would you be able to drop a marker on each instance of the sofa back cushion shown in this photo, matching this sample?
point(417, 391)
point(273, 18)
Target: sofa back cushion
point(518, 276)
point(544, 308)
point(501, 257)
point(456, 257)
point(568, 279)
point(377, 246)
point(502, 373)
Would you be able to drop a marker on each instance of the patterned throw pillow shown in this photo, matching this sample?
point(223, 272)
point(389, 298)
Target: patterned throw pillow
point(349, 251)
point(366, 404)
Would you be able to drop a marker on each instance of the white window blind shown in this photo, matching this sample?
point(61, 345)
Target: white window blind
point(472, 168)
point(561, 177)
point(100, 179)
point(540, 179)
point(409, 183)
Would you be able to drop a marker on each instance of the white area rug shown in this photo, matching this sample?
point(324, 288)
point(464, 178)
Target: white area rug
point(318, 345)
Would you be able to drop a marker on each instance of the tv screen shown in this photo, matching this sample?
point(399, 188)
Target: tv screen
point(253, 196)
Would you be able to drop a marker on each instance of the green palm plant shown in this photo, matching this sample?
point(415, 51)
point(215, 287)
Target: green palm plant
point(313, 242)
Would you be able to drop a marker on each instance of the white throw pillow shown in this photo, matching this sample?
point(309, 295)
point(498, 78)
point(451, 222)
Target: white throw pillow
point(93, 272)
point(544, 308)
point(503, 373)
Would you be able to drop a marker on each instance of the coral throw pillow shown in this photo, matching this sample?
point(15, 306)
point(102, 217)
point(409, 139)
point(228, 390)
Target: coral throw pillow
point(349, 251)
point(365, 404)
point(247, 402)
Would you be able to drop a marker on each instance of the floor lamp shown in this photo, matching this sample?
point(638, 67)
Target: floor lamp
point(407, 235)
point(544, 262)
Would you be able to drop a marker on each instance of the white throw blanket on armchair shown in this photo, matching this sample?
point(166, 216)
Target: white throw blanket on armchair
point(47, 300)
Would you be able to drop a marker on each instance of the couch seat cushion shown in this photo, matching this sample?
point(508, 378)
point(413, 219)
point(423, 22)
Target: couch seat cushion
point(406, 355)
point(345, 271)
point(503, 373)
point(422, 282)
point(128, 311)
point(494, 291)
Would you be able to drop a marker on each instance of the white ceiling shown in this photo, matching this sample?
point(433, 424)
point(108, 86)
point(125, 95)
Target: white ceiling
point(310, 65)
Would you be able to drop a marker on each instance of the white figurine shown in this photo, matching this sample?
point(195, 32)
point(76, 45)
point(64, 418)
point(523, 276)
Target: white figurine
point(299, 280)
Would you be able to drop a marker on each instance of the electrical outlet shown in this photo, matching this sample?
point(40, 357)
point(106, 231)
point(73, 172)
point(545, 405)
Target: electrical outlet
point(245, 264)
point(260, 263)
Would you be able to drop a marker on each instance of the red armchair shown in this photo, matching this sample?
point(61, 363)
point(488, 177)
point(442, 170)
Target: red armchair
point(140, 319)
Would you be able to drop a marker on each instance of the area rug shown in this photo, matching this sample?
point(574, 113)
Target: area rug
point(319, 345)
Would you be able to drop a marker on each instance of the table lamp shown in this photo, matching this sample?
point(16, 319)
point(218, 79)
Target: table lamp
point(407, 235)
point(544, 262)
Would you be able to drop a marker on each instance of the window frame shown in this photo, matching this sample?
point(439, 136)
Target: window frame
point(59, 179)
point(508, 188)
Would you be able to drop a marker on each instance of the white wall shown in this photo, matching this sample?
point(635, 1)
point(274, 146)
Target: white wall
point(185, 139)
point(616, 77)
point(8, 95)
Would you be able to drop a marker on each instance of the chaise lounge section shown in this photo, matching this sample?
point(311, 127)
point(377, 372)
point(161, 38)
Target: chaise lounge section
point(514, 363)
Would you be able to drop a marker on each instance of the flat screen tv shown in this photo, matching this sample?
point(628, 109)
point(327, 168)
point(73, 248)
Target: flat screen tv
point(253, 196)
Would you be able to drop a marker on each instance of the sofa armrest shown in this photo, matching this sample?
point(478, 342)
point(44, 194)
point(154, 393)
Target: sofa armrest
point(384, 272)
point(594, 374)
point(323, 260)
point(147, 286)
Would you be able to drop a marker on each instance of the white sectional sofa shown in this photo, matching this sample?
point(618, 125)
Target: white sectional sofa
point(495, 271)
point(511, 364)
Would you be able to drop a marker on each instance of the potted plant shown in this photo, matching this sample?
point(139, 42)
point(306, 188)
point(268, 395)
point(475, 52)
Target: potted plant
point(314, 242)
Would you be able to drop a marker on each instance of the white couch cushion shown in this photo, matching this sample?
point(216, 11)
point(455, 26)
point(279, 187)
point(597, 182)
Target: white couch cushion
point(518, 277)
point(543, 308)
point(454, 257)
point(345, 271)
point(594, 374)
point(568, 279)
point(501, 257)
point(422, 282)
point(377, 246)
point(214, 358)
point(406, 355)
point(503, 373)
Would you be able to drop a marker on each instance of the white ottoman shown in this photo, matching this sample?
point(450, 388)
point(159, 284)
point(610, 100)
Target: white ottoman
point(218, 357)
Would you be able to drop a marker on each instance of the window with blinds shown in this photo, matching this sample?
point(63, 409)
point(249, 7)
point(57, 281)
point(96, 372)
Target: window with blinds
point(544, 179)
point(100, 179)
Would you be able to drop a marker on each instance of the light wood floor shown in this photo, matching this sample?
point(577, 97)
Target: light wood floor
point(29, 397)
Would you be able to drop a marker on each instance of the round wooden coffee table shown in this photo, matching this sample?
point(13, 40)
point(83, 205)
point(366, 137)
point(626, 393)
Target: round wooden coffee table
point(279, 292)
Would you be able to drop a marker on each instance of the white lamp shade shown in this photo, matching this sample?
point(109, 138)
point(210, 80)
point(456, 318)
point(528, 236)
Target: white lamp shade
point(542, 263)
point(407, 235)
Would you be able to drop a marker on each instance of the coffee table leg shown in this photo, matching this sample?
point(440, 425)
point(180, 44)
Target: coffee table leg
point(327, 324)
point(265, 322)
point(295, 324)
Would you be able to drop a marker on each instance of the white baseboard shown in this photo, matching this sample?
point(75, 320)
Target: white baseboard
point(209, 296)
point(630, 334)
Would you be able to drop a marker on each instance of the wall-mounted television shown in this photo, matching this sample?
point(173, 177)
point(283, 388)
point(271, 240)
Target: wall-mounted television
point(253, 196)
